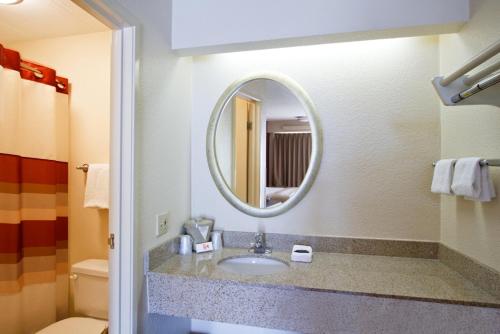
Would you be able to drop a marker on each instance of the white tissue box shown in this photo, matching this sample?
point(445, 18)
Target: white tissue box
point(302, 253)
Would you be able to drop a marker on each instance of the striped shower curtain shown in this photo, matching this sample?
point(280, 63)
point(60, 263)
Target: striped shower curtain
point(33, 195)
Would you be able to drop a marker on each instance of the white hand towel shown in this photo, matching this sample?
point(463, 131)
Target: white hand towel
point(487, 192)
point(487, 188)
point(467, 178)
point(97, 188)
point(443, 174)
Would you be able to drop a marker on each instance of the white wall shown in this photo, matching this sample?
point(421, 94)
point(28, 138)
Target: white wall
point(162, 149)
point(381, 125)
point(472, 228)
point(85, 61)
point(162, 124)
point(243, 25)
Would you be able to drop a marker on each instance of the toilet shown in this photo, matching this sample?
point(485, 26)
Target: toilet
point(90, 281)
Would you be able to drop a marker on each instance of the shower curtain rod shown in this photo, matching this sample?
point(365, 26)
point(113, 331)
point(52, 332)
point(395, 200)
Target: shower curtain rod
point(39, 74)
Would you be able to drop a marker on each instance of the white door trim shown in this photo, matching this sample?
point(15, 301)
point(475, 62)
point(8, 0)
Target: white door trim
point(121, 305)
point(122, 319)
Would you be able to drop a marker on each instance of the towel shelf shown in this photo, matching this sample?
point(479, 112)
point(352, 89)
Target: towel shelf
point(485, 162)
point(458, 88)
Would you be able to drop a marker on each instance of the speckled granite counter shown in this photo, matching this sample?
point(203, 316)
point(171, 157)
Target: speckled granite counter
point(347, 291)
point(396, 277)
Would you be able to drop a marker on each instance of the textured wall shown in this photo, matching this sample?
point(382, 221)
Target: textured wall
point(85, 60)
point(381, 125)
point(162, 125)
point(162, 137)
point(469, 227)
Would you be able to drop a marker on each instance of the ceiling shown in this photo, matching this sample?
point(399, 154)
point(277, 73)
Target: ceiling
point(38, 19)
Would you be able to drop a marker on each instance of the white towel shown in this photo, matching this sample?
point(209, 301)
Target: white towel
point(487, 192)
point(443, 174)
point(467, 178)
point(97, 188)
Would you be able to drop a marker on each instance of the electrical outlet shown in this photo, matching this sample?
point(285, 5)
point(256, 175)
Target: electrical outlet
point(161, 223)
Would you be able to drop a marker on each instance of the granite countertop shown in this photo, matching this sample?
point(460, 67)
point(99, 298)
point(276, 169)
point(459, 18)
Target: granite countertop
point(383, 276)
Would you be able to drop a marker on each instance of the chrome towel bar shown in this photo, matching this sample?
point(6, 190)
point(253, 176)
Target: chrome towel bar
point(484, 162)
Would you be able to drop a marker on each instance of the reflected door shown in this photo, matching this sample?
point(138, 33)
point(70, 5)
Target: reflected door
point(246, 135)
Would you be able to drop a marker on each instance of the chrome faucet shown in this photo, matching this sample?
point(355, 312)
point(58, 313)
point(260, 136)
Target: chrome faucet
point(259, 246)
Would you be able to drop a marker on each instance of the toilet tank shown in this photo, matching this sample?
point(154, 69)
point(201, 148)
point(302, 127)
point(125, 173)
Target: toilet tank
point(90, 288)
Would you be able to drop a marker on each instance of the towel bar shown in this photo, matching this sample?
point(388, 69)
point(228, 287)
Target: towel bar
point(484, 162)
point(84, 168)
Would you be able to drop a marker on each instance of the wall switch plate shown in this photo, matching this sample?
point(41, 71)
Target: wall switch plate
point(161, 224)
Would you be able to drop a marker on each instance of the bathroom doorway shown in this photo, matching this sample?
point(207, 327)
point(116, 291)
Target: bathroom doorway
point(246, 123)
point(96, 60)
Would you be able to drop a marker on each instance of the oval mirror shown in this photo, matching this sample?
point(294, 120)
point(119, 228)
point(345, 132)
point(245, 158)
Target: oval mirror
point(264, 144)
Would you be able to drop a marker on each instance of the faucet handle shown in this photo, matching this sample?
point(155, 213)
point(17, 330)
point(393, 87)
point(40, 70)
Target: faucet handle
point(259, 239)
point(259, 246)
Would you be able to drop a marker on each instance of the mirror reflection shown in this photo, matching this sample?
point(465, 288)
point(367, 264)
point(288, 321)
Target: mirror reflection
point(263, 143)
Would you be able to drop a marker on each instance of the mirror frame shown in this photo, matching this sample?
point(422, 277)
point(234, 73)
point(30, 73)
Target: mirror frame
point(317, 145)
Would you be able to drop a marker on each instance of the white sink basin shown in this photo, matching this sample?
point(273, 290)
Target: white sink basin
point(253, 265)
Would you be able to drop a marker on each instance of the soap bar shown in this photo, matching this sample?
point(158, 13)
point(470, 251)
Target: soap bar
point(302, 253)
point(203, 247)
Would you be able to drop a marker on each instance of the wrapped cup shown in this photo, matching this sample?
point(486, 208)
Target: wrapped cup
point(186, 245)
point(216, 239)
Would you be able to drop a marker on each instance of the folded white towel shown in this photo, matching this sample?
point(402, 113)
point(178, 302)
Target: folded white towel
point(443, 174)
point(487, 187)
point(97, 188)
point(467, 178)
point(487, 192)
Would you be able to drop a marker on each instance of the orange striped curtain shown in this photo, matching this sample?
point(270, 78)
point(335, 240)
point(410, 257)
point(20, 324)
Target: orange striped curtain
point(33, 197)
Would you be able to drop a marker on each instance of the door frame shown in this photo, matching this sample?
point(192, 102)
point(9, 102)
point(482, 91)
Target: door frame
point(121, 317)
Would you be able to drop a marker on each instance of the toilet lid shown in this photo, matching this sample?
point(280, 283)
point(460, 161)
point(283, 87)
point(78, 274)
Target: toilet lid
point(76, 326)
